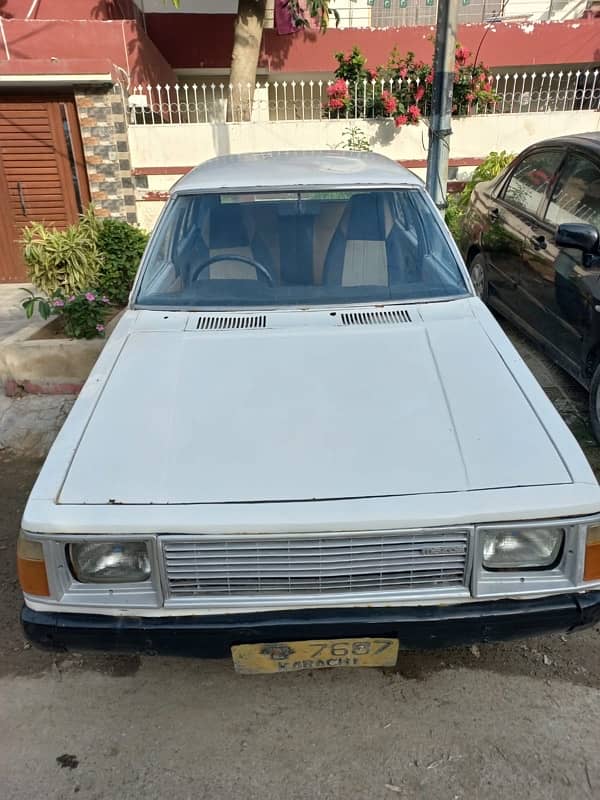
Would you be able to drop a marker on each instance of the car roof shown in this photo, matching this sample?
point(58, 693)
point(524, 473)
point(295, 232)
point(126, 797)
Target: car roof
point(589, 140)
point(295, 169)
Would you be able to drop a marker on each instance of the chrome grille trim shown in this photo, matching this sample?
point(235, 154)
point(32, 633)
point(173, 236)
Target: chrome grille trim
point(307, 568)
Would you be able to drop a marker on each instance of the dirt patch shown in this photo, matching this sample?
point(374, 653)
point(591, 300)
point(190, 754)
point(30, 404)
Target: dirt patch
point(573, 658)
point(17, 656)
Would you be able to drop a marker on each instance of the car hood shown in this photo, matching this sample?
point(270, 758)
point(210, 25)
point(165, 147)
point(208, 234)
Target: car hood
point(310, 407)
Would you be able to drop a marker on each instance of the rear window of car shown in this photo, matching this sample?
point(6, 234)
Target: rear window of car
point(576, 196)
point(531, 178)
point(299, 248)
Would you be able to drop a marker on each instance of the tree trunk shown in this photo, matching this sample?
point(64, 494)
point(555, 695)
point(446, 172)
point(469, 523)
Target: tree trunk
point(244, 58)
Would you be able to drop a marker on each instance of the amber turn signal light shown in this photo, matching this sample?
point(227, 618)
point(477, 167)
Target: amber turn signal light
point(31, 567)
point(591, 571)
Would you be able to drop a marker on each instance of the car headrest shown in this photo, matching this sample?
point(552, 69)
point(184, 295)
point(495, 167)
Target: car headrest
point(365, 220)
point(227, 228)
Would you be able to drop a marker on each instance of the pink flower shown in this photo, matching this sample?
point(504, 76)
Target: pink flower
point(90, 297)
point(58, 303)
point(335, 102)
point(99, 328)
point(372, 74)
point(70, 298)
point(487, 87)
point(414, 112)
point(105, 299)
point(403, 73)
point(429, 78)
point(419, 93)
point(401, 119)
point(470, 97)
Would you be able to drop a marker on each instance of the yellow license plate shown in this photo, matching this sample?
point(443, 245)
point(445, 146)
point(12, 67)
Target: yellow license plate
point(253, 659)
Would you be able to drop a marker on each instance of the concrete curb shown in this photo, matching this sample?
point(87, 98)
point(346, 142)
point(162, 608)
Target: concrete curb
point(32, 364)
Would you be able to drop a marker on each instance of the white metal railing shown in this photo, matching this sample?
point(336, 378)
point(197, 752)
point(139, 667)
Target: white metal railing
point(285, 101)
point(409, 13)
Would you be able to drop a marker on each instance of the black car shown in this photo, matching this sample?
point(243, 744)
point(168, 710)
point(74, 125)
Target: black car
point(531, 240)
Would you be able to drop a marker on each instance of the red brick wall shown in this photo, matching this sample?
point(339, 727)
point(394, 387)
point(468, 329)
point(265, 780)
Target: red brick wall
point(205, 40)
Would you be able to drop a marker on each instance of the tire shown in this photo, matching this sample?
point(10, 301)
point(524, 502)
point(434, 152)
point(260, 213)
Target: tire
point(595, 403)
point(478, 273)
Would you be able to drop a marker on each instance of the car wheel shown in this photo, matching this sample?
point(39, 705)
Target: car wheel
point(477, 270)
point(595, 403)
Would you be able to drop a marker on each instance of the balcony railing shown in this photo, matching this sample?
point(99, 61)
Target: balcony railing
point(293, 101)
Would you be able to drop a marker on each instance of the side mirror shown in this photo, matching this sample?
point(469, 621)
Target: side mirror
point(580, 236)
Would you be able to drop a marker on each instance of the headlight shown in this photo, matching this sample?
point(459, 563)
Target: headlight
point(110, 562)
point(529, 548)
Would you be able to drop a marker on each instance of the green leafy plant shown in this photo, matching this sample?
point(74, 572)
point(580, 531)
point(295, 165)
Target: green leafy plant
point(66, 260)
point(401, 89)
point(83, 314)
point(353, 138)
point(121, 246)
point(490, 168)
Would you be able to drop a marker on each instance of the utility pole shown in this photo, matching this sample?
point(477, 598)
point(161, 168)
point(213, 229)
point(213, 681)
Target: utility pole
point(441, 104)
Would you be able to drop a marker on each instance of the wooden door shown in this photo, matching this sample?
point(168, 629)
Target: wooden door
point(42, 166)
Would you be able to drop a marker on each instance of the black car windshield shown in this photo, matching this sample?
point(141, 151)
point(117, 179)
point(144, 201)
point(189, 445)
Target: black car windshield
point(298, 248)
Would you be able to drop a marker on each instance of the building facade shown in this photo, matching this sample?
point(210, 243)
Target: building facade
point(74, 75)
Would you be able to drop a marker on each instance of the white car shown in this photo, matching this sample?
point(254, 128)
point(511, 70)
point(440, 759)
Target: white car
point(307, 442)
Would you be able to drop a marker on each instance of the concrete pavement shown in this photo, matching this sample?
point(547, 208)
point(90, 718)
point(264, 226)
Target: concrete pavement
point(12, 316)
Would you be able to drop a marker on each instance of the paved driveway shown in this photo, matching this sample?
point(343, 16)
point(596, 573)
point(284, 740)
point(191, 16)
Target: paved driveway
point(519, 720)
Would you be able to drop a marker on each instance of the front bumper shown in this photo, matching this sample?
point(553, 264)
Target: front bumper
point(418, 627)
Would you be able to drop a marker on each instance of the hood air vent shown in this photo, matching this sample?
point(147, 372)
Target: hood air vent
point(375, 317)
point(231, 323)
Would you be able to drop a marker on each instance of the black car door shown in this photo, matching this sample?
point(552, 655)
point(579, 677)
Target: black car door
point(512, 221)
point(559, 289)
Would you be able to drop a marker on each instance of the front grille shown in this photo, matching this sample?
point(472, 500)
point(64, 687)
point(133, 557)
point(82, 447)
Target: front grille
point(248, 566)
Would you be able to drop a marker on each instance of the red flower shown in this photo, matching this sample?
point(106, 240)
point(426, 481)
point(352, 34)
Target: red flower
point(389, 102)
point(338, 88)
point(488, 87)
point(336, 102)
point(462, 54)
point(470, 97)
point(372, 74)
point(419, 93)
point(403, 73)
point(401, 119)
point(429, 78)
point(414, 113)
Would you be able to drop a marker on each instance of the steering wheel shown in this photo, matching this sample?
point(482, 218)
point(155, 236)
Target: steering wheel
point(196, 271)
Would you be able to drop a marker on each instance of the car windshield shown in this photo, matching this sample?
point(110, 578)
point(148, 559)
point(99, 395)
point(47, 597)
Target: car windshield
point(298, 248)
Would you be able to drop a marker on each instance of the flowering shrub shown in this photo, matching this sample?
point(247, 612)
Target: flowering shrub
point(339, 96)
point(401, 89)
point(83, 314)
